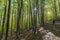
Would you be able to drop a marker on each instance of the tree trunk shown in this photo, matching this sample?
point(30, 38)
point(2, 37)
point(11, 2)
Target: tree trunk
point(4, 17)
point(42, 12)
point(8, 19)
point(55, 12)
point(20, 5)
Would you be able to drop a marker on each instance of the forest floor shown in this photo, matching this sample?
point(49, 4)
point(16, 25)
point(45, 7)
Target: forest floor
point(49, 32)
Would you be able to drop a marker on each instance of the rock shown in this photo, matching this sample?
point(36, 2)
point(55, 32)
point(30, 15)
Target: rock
point(50, 36)
point(47, 35)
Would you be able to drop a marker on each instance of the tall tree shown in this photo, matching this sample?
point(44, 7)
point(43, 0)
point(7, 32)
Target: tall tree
point(4, 17)
point(35, 16)
point(20, 5)
point(42, 12)
point(55, 12)
point(8, 19)
point(30, 11)
point(59, 4)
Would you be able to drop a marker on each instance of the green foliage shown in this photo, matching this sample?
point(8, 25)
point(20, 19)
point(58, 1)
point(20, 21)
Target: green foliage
point(48, 11)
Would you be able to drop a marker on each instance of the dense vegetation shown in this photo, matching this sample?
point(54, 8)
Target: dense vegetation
point(21, 15)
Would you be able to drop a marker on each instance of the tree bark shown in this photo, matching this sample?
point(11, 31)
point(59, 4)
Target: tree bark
point(8, 19)
point(42, 12)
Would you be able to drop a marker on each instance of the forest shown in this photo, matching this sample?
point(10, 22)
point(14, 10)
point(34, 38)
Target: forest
point(29, 19)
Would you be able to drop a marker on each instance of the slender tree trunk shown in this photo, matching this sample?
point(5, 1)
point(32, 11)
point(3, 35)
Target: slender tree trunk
point(35, 17)
point(55, 12)
point(18, 19)
point(12, 21)
point(8, 19)
point(4, 17)
point(30, 15)
point(42, 12)
point(59, 4)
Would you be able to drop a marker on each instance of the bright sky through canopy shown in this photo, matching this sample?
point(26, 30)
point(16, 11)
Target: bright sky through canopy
point(48, 12)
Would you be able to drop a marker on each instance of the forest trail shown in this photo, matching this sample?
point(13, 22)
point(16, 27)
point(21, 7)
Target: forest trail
point(49, 32)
